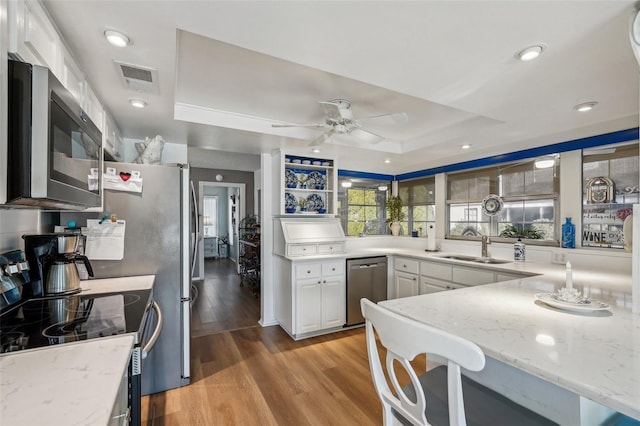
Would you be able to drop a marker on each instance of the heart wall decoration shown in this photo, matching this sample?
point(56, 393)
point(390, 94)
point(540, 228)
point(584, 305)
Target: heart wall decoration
point(125, 176)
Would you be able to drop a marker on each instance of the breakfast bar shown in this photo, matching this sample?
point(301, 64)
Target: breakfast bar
point(584, 364)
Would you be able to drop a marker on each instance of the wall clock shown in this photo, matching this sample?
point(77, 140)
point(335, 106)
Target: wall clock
point(492, 205)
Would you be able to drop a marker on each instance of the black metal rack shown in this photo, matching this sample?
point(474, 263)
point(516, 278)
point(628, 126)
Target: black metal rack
point(249, 239)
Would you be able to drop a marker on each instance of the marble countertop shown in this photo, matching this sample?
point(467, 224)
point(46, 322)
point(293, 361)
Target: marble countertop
point(71, 384)
point(592, 354)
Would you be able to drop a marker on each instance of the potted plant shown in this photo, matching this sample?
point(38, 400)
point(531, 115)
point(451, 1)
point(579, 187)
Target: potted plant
point(394, 207)
point(302, 202)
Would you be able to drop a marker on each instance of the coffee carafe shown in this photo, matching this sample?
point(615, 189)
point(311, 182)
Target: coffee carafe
point(60, 269)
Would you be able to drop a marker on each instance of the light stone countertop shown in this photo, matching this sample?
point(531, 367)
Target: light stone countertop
point(594, 354)
point(70, 384)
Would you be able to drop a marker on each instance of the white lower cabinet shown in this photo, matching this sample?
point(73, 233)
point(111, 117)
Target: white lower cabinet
point(434, 285)
point(320, 296)
point(406, 284)
point(120, 412)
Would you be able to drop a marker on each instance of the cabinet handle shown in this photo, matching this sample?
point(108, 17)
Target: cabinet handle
point(404, 266)
point(308, 272)
point(413, 279)
point(318, 281)
point(304, 249)
point(333, 269)
point(330, 248)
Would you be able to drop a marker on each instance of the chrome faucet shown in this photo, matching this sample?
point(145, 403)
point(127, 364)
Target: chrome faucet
point(485, 242)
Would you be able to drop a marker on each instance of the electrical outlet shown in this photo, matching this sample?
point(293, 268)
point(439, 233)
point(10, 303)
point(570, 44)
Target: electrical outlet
point(559, 257)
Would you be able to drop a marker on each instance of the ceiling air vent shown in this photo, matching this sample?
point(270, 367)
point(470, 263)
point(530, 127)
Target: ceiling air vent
point(138, 78)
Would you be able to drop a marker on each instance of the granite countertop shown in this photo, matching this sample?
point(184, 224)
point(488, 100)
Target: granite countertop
point(71, 384)
point(593, 354)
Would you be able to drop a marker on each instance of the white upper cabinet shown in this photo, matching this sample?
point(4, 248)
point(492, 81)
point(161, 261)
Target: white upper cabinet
point(111, 138)
point(32, 36)
point(72, 77)
point(93, 108)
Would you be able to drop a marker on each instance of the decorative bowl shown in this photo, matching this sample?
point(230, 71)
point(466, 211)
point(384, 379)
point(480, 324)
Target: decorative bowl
point(290, 210)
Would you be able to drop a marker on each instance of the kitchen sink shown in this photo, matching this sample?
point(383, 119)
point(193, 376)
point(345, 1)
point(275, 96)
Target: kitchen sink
point(487, 260)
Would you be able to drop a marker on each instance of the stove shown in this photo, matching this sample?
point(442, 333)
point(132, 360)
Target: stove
point(42, 322)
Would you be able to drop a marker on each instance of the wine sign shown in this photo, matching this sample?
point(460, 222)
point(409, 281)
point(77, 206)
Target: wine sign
point(602, 224)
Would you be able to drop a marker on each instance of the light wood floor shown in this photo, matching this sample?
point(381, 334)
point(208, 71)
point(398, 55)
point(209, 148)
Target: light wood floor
point(223, 305)
point(253, 375)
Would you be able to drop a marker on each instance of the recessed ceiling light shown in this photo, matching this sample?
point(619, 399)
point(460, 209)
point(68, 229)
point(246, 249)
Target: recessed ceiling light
point(585, 106)
point(529, 53)
point(346, 184)
point(116, 38)
point(316, 150)
point(465, 146)
point(387, 161)
point(138, 103)
point(382, 187)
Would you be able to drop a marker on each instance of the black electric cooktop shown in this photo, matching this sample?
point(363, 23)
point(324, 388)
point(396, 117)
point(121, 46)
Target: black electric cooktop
point(55, 320)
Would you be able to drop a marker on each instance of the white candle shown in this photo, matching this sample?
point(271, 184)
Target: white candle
point(569, 276)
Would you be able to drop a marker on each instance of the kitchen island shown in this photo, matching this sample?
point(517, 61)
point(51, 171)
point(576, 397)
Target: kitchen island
point(564, 361)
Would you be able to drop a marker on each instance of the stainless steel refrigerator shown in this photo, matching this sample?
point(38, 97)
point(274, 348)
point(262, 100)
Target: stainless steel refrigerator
point(160, 238)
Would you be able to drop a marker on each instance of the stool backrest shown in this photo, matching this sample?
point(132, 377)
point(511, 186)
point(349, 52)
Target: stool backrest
point(404, 339)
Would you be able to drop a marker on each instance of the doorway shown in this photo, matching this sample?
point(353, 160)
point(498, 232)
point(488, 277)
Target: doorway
point(221, 303)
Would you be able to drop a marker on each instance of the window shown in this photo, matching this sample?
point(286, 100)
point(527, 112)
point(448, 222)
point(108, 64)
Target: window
point(210, 216)
point(611, 184)
point(361, 206)
point(529, 195)
point(419, 197)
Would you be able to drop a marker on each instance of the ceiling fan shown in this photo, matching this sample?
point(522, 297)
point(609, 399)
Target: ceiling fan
point(339, 120)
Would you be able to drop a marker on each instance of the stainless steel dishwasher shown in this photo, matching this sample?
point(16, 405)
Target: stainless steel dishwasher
point(366, 277)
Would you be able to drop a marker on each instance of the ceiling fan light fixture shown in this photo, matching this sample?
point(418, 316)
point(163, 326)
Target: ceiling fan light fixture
point(346, 184)
point(315, 150)
point(116, 38)
point(137, 103)
point(529, 53)
point(465, 146)
point(585, 106)
point(387, 161)
point(545, 162)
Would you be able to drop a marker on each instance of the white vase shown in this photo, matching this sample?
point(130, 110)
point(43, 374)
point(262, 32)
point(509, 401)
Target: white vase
point(395, 228)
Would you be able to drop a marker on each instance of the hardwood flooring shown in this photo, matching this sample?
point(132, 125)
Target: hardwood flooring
point(253, 375)
point(223, 305)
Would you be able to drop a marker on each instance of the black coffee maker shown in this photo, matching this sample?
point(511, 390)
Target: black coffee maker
point(44, 250)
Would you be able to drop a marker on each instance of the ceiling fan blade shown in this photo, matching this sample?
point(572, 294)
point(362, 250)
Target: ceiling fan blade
point(386, 119)
point(322, 138)
point(366, 136)
point(337, 109)
point(301, 125)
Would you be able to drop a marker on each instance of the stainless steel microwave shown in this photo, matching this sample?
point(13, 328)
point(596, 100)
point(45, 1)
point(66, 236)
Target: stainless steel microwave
point(54, 153)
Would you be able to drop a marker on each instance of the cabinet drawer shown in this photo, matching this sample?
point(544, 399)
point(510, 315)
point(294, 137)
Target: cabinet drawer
point(407, 265)
point(330, 248)
point(436, 270)
point(308, 270)
point(333, 268)
point(302, 250)
point(472, 276)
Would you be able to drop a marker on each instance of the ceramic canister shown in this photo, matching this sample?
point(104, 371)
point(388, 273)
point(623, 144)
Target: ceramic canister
point(518, 251)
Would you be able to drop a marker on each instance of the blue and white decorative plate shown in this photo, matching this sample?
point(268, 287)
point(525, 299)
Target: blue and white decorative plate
point(290, 201)
point(314, 202)
point(316, 180)
point(290, 178)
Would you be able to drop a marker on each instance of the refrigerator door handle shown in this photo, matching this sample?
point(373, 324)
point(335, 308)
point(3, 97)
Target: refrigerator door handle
point(156, 332)
point(196, 237)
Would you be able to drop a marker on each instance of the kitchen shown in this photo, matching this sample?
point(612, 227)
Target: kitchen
point(253, 147)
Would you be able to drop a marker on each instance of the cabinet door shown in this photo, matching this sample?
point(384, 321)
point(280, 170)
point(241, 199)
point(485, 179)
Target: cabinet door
point(93, 107)
point(308, 305)
point(406, 284)
point(72, 78)
point(432, 285)
point(333, 302)
point(33, 36)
